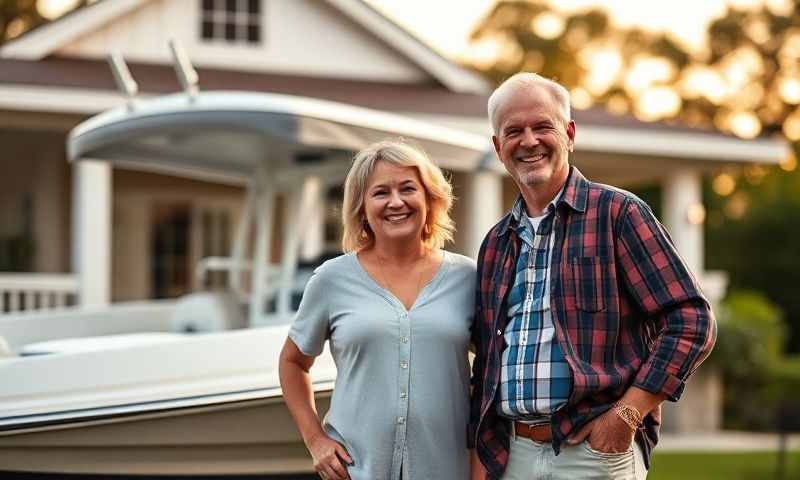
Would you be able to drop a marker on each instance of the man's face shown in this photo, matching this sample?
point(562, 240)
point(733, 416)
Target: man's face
point(534, 139)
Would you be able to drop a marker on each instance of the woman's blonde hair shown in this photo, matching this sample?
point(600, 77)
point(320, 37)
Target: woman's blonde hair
point(439, 227)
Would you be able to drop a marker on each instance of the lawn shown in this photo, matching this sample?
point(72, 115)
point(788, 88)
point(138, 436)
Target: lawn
point(722, 466)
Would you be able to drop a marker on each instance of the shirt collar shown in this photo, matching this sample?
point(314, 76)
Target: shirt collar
point(574, 194)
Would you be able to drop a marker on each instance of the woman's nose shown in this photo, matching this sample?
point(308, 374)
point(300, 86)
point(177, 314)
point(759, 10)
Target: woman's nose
point(395, 200)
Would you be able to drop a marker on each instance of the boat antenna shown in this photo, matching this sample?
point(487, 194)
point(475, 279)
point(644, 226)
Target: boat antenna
point(187, 75)
point(123, 78)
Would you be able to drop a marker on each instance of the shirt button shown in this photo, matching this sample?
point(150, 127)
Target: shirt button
point(404, 339)
point(401, 420)
point(403, 365)
point(403, 315)
point(403, 394)
point(499, 332)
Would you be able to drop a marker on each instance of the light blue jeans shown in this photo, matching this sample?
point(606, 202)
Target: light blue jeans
point(529, 460)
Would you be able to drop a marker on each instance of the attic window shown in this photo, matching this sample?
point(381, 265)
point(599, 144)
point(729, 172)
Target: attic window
point(235, 21)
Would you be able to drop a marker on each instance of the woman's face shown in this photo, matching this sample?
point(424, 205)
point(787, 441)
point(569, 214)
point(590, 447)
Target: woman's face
point(395, 203)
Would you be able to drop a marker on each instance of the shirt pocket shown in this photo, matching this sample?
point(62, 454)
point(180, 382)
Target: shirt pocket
point(588, 282)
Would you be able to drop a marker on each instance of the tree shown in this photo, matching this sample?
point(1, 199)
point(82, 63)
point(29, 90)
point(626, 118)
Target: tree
point(747, 83)
point(19, 16)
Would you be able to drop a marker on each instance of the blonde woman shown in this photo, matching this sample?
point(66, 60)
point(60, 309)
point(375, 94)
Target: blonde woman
point(396, 309)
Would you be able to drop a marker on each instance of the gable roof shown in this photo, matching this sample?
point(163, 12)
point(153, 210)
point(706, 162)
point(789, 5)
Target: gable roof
point(47, 39)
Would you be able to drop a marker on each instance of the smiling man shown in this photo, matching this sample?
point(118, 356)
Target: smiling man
point(587, 318)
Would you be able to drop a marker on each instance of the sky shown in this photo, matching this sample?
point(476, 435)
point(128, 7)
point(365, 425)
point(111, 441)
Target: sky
point(446, 24)
point(424, 17)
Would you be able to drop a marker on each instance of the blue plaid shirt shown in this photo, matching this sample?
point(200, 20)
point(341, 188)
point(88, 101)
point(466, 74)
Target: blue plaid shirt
point(535, 377)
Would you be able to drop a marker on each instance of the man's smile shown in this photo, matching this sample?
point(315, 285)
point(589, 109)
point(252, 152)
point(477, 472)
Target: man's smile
point(530, 157)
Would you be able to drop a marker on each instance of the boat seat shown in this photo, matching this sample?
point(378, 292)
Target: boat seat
point(208, 312)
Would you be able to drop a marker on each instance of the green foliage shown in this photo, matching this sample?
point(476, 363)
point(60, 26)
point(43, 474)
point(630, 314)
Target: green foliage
point(720, 465)
point(749, 353)
point(750, 337)
point(759, 248)
point(783, 384)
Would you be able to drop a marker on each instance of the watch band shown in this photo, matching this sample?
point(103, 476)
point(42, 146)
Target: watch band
point(629, 414)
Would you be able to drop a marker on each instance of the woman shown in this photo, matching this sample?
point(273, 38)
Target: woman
point(396, 309)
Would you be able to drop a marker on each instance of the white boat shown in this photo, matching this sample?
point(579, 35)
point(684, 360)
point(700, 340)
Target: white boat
point(191, 386)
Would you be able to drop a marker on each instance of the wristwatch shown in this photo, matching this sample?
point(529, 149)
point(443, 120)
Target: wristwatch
point(629, 414)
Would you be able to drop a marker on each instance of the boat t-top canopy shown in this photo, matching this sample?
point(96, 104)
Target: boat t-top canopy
point(232, 133)
point(274, 144)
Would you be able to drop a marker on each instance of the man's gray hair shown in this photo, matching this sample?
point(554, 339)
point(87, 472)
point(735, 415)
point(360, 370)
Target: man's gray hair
point(525, 80)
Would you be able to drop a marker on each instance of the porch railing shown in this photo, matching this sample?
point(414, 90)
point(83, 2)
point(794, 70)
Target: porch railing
point(21, 292)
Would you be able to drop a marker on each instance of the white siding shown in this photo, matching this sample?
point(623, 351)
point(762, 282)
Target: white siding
point(304, 37)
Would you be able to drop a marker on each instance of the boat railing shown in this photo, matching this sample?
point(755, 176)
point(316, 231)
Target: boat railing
point(234, 268)
point(21, 292)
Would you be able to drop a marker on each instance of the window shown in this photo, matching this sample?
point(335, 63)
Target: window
point(169, 247)
point(215, 228)
point(236, 21)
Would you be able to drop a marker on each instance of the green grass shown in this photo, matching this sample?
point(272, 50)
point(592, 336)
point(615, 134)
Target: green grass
point(722, 466)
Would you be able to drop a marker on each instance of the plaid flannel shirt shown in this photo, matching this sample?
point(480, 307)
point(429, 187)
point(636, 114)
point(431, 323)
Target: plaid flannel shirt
point(626, 309)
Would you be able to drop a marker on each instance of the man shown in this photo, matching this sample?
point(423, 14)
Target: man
point(587, 319)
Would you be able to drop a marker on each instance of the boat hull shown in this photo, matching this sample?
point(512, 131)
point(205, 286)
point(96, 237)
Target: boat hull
point(245, 437)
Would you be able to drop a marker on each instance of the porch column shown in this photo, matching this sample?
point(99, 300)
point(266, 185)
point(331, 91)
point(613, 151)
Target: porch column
point(684, 215)
point(91, 226)
point(701, 404)
point(483, 203)
point(313, 235)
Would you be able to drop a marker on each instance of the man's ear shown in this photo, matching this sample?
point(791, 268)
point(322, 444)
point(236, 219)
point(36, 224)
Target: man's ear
point(571, 134)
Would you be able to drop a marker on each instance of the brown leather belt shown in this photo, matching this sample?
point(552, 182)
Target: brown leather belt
point(538, 433)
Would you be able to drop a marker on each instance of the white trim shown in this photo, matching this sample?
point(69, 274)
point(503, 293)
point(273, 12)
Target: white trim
point(46, 39)
point(646, 141)
point(689, 145)
point(51, 282)
point(453, 76)
point(58, 99)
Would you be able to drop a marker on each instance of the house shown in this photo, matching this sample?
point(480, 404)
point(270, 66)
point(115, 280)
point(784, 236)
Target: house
point(157, 225)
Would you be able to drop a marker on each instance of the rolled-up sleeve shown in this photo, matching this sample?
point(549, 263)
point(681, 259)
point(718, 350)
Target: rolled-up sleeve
point(667, 292)
point(310, 328)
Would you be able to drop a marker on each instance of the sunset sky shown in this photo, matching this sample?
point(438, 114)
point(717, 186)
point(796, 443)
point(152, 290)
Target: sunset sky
point(446, 24)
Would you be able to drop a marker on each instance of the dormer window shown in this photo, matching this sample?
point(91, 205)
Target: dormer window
point(236, 21)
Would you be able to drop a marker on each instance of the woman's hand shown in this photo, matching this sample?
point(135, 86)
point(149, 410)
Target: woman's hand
point(296, 383)
point(328, 456)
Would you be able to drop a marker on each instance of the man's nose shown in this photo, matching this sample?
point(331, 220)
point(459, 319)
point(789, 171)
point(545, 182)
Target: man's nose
point(529, 139)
